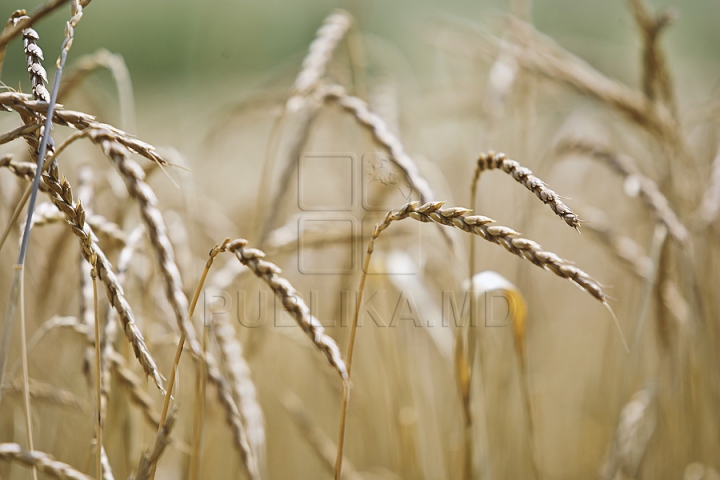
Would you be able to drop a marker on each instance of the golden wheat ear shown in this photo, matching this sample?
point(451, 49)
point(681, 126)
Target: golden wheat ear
point(524, 176)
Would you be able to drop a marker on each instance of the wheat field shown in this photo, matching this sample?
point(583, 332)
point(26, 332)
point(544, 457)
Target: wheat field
point(252, 262)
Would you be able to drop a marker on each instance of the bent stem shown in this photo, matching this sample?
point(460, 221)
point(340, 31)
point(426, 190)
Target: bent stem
point(351, 349)
point(217, 249)
point(468, 360)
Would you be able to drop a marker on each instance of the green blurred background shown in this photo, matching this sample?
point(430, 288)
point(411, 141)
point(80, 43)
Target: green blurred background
point(224, 43)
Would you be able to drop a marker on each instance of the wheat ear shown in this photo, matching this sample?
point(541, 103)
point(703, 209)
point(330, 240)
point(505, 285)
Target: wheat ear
point(100, 224)
point(62, 197)
point(151, 456)
point(134, 178)
point(38, 78)
point(34, 55)
point(321, 50)
point(233, 417)
point(381, 134)
point(241, 383)
point(634, 430)
point(525, 177)
point(509, 239)
point(647, 188)
point(656, 80)
point(45, 392)
point(19, 132)
point(291, 300)
point(12, 452)
point(107, 469)
point(42, 11)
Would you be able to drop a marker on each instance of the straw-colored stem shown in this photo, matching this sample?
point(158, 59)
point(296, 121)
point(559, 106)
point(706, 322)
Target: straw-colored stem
point(349, 357)
point(98, 373)
point(198, 413)
point(178, 352)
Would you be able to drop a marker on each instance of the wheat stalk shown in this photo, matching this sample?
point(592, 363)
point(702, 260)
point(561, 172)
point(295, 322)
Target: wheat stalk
point(213, 374)
point(38, 78)
point(12, 452)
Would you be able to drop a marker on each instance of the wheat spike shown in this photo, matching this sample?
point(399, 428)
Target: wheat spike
point(152, 455)
point(293, 303)
point(525, 177)
point(12, 452)
point(241, 383)
point(62, 196)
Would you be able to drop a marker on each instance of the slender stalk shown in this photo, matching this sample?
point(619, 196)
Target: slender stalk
point(26, 376)
point(349, 357)
point(463, 337)
point(199, 411)
point(178, 352)
point(98, 372)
